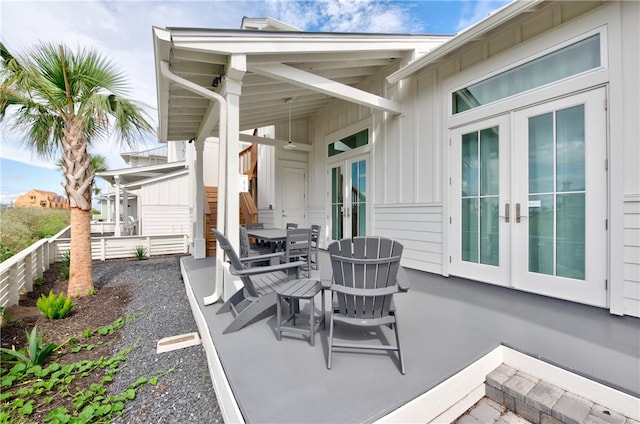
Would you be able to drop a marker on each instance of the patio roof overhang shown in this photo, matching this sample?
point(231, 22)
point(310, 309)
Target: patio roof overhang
point(311, 69)
point(134, 176)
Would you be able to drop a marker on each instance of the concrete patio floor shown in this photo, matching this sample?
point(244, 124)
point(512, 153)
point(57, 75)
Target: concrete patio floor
point(452, 333)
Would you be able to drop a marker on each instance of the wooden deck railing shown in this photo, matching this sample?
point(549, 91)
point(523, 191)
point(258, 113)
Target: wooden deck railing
point(18, 272)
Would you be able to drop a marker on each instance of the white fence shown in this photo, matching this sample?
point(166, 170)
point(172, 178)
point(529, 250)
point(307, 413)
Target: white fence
point(18, 272)
point(103, 248)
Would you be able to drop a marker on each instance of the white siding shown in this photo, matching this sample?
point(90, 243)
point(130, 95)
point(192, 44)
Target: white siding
point(419, 228)
point(164, 207)
point(632, 256)
point(165, 219)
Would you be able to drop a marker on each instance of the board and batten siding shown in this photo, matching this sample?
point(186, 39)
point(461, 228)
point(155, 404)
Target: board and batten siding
point(632, 255)
point(165, 219)
point(164, 207)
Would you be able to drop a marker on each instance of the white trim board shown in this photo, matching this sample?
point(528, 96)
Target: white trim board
point(226, 400)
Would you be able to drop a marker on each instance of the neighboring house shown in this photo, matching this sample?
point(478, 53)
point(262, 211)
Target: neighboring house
point(41, 199)
point(151, 197)
point(507, 154)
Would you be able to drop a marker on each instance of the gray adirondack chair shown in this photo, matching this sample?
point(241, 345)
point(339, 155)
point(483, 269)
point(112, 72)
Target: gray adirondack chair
point(258, 294)
point(365, 271)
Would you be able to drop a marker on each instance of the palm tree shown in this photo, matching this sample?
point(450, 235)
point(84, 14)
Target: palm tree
point(62, 101)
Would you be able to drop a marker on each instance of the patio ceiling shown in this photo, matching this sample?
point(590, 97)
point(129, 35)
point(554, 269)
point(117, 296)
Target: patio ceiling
point(309, 69)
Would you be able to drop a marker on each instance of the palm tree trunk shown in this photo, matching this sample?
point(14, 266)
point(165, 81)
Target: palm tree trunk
point(79, 179)
point(80, 270)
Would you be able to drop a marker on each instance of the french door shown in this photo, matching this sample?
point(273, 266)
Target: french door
point(528, 198)
point(349, 211)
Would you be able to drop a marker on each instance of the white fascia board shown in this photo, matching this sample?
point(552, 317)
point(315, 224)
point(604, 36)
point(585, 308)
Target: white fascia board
point(476, 31)
point(217, 42)
point(162, 50)
point(326, 86)
point(156, 179)
point(141, 170)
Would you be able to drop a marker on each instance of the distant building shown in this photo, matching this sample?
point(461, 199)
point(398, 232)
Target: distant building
point(42, 199)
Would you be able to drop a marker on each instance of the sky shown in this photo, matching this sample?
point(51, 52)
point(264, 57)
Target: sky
point(121, 32)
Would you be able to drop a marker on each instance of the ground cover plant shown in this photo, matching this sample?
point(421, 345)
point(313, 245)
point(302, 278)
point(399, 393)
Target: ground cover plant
point(68, 363)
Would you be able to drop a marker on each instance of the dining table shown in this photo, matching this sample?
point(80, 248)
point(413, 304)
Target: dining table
point(274, 236)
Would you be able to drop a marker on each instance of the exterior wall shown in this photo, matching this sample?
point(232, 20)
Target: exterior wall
point(410, 157)
point(164, 207)
point(629, 92)
point(426, 120)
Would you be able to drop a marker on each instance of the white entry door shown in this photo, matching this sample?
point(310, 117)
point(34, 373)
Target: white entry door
point(349, 211)
point(528, 199)
point(480, 201)
point(561, 200)
point(293, 198)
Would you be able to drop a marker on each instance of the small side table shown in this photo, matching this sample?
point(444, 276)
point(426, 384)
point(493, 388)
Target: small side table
point(295, 290)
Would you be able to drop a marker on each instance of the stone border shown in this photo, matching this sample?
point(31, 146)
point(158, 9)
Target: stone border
point(543, 403)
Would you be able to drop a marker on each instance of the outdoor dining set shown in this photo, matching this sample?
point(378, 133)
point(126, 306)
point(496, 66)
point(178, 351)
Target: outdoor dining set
point(275, 267)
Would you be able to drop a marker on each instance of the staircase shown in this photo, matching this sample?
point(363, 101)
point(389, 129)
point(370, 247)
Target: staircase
point(248, 213)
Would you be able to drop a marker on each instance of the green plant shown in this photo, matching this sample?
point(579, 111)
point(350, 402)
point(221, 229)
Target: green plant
point(57, 392)
point(35, 354)
point(38, 281)
point(55, 307)
point(65, 264)
point(141, 252)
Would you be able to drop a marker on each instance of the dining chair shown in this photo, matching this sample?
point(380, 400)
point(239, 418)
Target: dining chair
point(315, 238)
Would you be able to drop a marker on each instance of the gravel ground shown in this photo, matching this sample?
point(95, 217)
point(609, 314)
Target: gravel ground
point(185, 392)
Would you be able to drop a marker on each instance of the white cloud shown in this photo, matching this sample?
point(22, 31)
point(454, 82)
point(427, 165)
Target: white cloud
point(376, 16)
point(473, 11)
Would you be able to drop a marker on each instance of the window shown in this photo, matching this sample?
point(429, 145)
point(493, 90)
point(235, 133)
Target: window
point(565, 62)
point(349, 143)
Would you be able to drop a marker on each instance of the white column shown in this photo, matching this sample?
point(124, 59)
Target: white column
point(231, 93)
point(109, 209)
point(118, 230)
point(199, 242)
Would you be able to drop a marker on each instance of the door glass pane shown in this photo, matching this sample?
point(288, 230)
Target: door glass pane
point(489, 240)
point(470, 230)
point(359, 198)
point(570, 149)
point(489, 169)
point(337, 196)
point(541, 154)
point(480, 197)
point(470, 164)
point(541, 224)
point(557, 239)
point(570, 258)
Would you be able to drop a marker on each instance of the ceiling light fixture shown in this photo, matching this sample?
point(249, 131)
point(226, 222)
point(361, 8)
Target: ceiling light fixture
point(289, 145)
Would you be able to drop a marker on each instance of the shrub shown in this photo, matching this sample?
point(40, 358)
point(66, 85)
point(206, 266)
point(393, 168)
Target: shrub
point(35, 354)
point(55, 307)
point(141, 252)
point(65, 264)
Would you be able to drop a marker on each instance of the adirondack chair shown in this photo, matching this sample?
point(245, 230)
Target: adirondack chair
point(365, 271)
point(298, 246)
point(258, 294)
point(315, 239)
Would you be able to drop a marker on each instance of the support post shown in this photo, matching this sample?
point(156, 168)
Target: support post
point(118, 222)
point(199, 242)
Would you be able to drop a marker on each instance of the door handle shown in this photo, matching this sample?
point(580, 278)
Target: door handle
point(507, 208)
